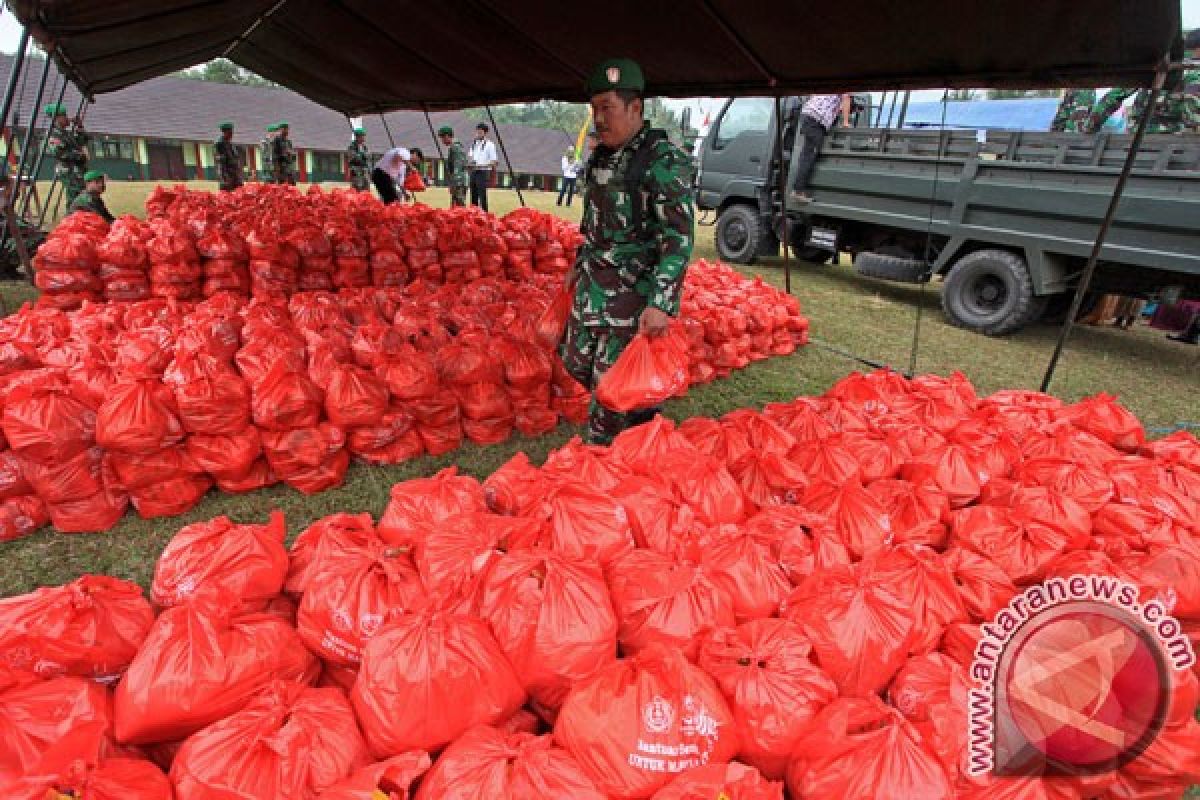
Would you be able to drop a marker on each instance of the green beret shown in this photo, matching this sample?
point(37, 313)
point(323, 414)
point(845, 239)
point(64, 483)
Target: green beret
point(615, 73)
point(360, 131)
point(272, 127)
point(283, 123)
point(92, 175)
point(54, 109)
point(225, 126)
point(445, 130)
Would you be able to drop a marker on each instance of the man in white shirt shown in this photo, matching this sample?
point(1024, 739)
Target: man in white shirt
point(481, 160)
point(389, 173)
point(817, 116)
point(570, 172)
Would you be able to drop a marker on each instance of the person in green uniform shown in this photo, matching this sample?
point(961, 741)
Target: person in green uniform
point(67, 143)
point(90, 198)
point(1074, 111)
point(358, 159)
point(1177, 111)
point(638, 226)
point(266, 151)
point(229, 159)
point(456, 166)
point(284, 155)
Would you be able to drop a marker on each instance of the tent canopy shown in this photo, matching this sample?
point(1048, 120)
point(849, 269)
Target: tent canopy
point(359, 56)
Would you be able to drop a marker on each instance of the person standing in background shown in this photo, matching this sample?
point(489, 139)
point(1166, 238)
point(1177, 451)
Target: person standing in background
point(284, 154)
point(817, 117)
point(228, 159)
point(1176, 111)
point(67, 143)
point(1074, 111)
point(388, 174)
point(570, 172)
point(482, 162)
point(358, 160)
point(266, 151)
point(90, 198)
point(456, 166)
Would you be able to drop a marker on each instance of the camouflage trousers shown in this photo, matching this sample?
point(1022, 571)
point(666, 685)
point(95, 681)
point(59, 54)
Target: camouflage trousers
point(587, 353)
point(458, 195)
point(72, 181)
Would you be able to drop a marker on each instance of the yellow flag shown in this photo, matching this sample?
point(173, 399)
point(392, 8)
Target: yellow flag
point(583, 131)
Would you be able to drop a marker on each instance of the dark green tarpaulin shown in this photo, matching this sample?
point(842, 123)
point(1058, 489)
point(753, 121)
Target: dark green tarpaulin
point(359, 56)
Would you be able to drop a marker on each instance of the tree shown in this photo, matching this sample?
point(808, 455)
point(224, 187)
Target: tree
point(960, 95)
point(1005, 94)
point(222, 70)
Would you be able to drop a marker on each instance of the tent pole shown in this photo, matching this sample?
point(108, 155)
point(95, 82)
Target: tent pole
point(511, 175)
point(37, 165)
point(383, 119)
point(55, 182)
point(10, 90)
point(903, 111)
point(27, 145)
point(891, 108)
point(784, 233)
point(1106, 223)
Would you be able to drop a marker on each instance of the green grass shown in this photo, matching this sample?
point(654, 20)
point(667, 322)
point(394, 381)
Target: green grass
point(1155, 378)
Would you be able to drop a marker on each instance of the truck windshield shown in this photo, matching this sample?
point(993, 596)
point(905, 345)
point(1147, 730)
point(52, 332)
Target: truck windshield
point(744, 114)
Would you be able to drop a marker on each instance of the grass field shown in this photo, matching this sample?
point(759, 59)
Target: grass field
point(1157, 379)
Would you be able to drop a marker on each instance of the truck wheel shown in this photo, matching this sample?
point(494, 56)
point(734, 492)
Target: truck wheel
point(738, 232)
point(892, 268)
point(990, 291)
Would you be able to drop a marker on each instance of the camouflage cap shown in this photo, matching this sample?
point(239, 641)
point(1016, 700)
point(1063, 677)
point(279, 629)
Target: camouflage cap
point(226, 125)
point(445, 130)
point(615, 73)
point(54, 109)
point(93, 174)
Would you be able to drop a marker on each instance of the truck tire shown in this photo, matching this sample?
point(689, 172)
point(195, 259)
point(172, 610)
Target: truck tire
point(892, 268)
point(738, 232)
point(990, 292)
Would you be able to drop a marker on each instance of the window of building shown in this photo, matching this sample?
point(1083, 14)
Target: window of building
point(745, 114)
point(327, 163)
point(112, 148)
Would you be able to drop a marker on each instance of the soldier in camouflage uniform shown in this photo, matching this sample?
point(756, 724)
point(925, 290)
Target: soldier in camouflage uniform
point(283, 155)
point(1177, 111)
point(1074, 111)
point(229, 159)
point(456, 166)
point(266, 150)
point(90, 198)
point(358, 159)
point(68, 144)
point(638, 225)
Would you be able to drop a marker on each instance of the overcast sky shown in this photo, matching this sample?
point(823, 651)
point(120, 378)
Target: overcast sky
point(10, 34)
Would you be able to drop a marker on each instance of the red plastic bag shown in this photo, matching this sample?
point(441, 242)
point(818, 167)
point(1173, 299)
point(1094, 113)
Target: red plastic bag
point(860, 520)
point(927, 582)
point(933, 692)
point(392, 779)
point(731, 781)
point(211, 396)
point(659, 599)
point(228, 456)
point(706, 485)
point(289, 741)
point(773, 689)
point(643, 720)
point(355, 397)
point(486, 762)
point(21, 516)
point(445, 671)
point(859, 622)
point(352, 591)
point(455, 556)
point(170, 497)
point(138, 417)
point(43, 422)
point(982, 585)
point(648, 371)
point(552, 323)
point(856, 746)
point(201, 662)
point(345, 531)
point(750, 574)
point(915, 511)
point(1104, 417)
point(246, 563)
point(91, 627)
point(285, 399)
point(587, 524)
point(123, 779)
point(554, 620)
point(418, 505)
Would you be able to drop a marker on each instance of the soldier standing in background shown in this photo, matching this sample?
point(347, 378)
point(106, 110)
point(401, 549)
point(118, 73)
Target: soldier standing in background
point(456, 166)
point(266, 150)
point(638, 227)
point(284, 155)
point(358, 159)
point(1074, 111)
point(68, 144)
point(1177, 111)
point(228, 158)
point(90, 198)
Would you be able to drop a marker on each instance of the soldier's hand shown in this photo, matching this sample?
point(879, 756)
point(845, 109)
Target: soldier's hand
point(653, 322)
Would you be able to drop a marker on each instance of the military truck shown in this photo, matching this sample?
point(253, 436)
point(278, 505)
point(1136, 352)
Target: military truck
point(1006, 219)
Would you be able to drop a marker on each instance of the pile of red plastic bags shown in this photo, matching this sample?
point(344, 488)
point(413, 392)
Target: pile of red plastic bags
point(776, 603)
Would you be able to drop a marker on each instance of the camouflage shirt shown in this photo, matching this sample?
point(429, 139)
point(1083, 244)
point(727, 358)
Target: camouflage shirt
point(1074, 110)
point(86, 201)
point(68, 146)
point(1177, 111)
point(456, 165)
point(229, 163)
point(358, 158)
point(622, 270)
point(283, 156)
